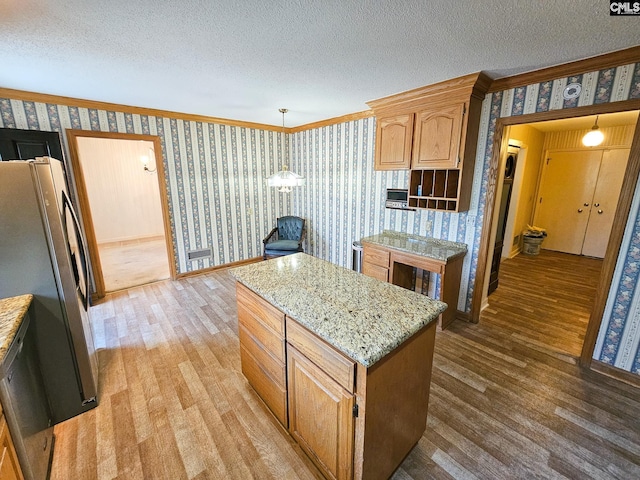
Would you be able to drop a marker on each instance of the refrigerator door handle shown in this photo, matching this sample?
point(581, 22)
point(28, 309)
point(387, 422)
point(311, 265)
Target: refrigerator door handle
point(81, 251)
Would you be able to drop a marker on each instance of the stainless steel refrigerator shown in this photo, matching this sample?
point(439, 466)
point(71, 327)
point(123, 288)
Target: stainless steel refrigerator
point(42, 252)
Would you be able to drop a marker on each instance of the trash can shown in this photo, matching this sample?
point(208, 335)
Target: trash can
point(531, 245)
point(356, 261)
point(532, 239)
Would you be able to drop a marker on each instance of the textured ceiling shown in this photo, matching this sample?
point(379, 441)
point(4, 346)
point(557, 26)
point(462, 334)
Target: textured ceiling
point(320, 59)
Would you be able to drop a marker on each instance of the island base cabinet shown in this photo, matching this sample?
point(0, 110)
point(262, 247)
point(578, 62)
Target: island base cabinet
point(393, 399)
point(353, 421)
point(262, 350)
point(320, 416)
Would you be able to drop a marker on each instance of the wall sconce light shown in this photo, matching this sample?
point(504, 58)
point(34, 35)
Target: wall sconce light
point(145, 159)
point(594, 137)
point(285, 178)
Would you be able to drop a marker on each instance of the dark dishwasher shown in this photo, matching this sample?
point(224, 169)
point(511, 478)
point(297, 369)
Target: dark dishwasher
point(25, 404)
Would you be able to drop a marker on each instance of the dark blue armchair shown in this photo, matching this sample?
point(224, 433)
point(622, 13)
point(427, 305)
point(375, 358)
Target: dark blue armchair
point(286, 238)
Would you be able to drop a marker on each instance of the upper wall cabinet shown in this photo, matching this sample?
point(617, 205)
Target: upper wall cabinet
point(438, 135)
point(393, 141)
point(433, 131)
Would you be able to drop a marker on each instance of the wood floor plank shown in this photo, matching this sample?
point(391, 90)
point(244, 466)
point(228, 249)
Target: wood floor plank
point(508, 399)
point(106, 452)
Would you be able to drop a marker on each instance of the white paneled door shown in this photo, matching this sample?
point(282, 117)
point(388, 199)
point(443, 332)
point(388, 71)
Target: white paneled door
point(577, 198)
point(605, 201)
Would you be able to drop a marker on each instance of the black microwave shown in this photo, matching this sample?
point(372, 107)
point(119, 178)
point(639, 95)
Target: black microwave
point(397, 198)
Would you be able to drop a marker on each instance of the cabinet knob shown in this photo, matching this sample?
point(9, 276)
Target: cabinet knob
point(596, 204)
point(600, 212)
point(579, 210)
point(586, 205)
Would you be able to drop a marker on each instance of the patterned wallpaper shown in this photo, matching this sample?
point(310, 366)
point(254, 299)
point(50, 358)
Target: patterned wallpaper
point(344, 197)
point(343, 200)
point(619, 334)
point(215, 175)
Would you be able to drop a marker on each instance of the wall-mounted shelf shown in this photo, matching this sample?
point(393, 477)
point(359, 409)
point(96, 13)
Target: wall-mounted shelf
point(434, 189)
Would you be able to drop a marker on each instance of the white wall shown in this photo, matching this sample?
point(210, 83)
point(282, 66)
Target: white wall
point(124, 199)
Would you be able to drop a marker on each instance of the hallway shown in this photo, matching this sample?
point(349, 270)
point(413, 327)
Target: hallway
point(545, 299)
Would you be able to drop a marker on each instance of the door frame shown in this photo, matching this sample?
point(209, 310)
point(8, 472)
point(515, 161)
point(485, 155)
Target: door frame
point(619, 223)
point(85, 209)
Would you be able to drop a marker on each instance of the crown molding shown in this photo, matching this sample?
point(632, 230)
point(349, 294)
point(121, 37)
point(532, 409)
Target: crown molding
point(484, 84)
point(600, 62)
point(332, 121)
point(78, 102)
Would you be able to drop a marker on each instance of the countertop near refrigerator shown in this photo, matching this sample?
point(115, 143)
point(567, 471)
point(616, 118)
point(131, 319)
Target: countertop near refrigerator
point(12, 312)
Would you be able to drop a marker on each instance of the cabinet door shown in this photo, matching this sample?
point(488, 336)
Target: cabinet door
point(9, 466)
point(320, 416)
point(437, 137)
point(393, 142)
point(375, 271)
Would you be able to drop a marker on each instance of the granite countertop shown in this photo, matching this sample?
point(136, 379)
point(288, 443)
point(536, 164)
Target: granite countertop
point(12, 311)
point(443, 250)
point(362, 317)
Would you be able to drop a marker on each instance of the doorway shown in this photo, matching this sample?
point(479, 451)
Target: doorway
point(120, 181)
point(561, 137)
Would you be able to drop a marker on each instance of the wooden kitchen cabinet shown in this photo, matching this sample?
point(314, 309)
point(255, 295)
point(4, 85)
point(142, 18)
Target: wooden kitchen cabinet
point(9, 466)
point(440, 124)
point(321, 382)
point(438, 136)
point(354, 422)
point(320, 416)
point(394, 135)
point(375, 263)
point(262, 350)
point(397, 266)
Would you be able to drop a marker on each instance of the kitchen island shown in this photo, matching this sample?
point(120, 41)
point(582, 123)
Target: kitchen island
point(341, 359)
point(393, 256)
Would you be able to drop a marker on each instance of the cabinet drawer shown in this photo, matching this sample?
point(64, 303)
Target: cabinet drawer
point(376, 256)
point(260, 308)
point(273, 367)
point(375, 271)
point(336, 365)
point(269, 339)
point(272, 394)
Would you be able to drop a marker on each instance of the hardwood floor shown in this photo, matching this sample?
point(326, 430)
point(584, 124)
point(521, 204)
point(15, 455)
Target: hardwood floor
point(131, 263)
point(506, 403)
point(545, 299)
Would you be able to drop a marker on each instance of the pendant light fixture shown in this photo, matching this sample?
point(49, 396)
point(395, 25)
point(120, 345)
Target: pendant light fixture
point(285, 178)
point(594, 137)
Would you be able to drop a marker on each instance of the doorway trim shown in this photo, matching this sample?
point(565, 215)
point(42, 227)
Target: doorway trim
point(85, 209)
point(619, 223)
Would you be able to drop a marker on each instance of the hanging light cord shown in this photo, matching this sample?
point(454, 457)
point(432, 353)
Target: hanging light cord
point(284, 138)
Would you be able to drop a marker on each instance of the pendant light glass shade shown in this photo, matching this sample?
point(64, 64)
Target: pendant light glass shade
point(594, 137)
point(285, 178)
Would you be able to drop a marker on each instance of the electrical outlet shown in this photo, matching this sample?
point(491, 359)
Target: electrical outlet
point(471, 220)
